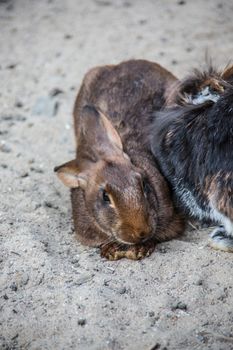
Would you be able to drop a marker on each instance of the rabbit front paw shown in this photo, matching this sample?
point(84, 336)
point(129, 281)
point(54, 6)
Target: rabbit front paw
point(116, 251)
point(220, 240)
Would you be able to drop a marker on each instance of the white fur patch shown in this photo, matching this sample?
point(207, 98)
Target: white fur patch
point(205, 95)
point(190, 202)
point(225, 221)
point(212, 213)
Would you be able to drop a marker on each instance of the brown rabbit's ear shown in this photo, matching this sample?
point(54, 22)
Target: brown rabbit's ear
point(71, 176)
point(99, 135)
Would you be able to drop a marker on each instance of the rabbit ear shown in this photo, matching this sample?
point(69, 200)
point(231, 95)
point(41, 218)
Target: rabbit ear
point(69, 173)
point(228, 72)
point(99, 138)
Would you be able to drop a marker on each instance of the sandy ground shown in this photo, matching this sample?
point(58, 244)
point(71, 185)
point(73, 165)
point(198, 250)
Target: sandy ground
point(55, 293)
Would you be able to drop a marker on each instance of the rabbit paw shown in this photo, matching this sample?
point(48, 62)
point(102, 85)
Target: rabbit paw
point(116, 251)
point(220, 240)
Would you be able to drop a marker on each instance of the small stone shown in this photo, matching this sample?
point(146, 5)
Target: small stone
point(122, 290)
point(103, 2)
point(14, 287)
point(46, 106)
point(142, 21)
point(10, 117)
point(50, 205)
point(199, 282)
point(11, 66)
point(174, 62)
point(83, 279)
point(156, 346)
point(37, 170)
point(4, 147)
point(127, 4)
point(55, 92)
point(179, 306)
point(201, 338)
point(75, 260)
point(151, 313)
point(15, 336)
point(18, 104)
point(24, 279)
point(10, 7)
point(82, 322)
point(68, 36)
point(5, 297)
point(24, 174)
point(163, 250)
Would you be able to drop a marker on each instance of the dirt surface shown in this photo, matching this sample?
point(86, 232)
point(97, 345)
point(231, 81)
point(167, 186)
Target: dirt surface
point(55, 293)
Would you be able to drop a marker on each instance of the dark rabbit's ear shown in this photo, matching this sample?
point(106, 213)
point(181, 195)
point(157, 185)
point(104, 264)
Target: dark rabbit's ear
point(100, 138)
point(69, 173)
point(228, 73)
point(199, 88)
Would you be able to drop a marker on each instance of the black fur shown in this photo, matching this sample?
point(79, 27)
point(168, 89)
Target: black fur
point(193, 145)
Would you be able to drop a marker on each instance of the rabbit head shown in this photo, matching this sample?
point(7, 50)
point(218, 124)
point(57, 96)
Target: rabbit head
point(200, 87)
point(114, 190)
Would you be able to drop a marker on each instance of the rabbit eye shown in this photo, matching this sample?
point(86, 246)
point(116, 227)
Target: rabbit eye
point(105, 197)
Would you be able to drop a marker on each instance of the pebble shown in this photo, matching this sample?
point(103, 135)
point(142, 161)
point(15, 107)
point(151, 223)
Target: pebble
point(11, 66)
point(24, 174)
point(18, 104)
point(14, 287)
point(156, 346)
point(181, 2)
point(55, 92)
point(75, 260)
point(179, 306)
point(4, 166)
point(24, 279)
point(46, 106)
point(11, 117)
point(50, 205)
point(4, 147)
point(68, 36)
point(83, 279)
point(199, 282)
point(122, 290)
point(37, 170)
point(82, 322)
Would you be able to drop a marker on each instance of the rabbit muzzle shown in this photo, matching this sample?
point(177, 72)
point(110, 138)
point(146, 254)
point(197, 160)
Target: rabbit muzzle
point(132, 235)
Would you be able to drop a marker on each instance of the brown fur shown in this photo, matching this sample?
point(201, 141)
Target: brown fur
point(113, 154)
point(219, 192)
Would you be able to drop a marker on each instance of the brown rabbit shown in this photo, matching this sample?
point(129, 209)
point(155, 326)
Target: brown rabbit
point(120, 201)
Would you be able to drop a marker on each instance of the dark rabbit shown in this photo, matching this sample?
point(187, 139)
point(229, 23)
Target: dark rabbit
point(120, 200)
point(193, 142)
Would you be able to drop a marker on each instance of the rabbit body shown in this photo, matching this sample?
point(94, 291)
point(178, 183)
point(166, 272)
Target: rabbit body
point(120, 201)
point(193, 143)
